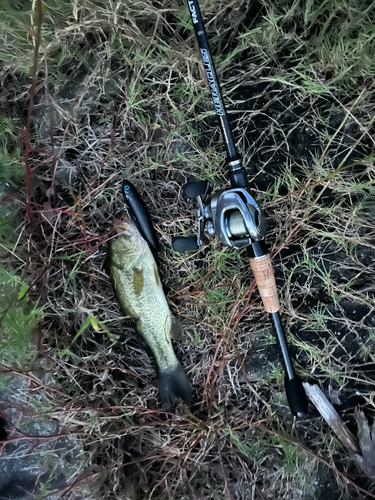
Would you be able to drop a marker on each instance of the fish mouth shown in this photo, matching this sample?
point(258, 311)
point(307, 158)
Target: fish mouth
point(123, 225)
point(124, 229)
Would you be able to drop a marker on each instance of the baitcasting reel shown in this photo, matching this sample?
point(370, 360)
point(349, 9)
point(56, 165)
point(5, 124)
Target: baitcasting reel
point(232, 214)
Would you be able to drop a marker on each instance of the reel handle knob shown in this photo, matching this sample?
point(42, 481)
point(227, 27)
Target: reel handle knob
point(192, 190)
point(183, 244)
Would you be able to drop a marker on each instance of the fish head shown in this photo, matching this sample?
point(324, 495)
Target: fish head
point(128, 244)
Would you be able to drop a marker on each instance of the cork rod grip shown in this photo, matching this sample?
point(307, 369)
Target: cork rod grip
point(265, 280)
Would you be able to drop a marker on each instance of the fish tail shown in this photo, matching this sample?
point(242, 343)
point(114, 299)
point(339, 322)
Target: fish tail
point(173, 384)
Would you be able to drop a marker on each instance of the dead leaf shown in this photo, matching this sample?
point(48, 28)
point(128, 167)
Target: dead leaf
point(48, 212)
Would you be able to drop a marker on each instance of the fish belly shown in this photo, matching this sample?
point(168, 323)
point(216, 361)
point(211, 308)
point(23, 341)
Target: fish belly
point(149, 310)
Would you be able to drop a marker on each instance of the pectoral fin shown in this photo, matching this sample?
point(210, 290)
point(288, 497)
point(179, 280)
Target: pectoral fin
point(156, 274)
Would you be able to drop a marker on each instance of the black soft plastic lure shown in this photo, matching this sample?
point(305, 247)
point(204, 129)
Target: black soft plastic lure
point(139, 213)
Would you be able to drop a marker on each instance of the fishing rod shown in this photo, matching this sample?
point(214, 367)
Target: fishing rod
point(234, 216)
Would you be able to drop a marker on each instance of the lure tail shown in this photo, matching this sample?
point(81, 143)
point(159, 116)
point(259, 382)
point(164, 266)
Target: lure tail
point(173, 384)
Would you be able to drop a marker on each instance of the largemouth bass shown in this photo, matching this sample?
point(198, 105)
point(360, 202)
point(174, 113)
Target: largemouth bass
point(138, 289)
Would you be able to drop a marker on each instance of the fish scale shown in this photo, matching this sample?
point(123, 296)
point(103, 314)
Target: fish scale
point(141, 308)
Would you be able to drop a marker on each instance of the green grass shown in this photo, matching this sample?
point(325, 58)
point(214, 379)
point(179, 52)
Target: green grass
point(18, 320)
point(333, 39)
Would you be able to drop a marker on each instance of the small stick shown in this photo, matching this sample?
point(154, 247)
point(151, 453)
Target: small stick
point(331, 416)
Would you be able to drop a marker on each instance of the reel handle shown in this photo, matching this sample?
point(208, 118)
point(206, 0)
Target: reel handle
point(192, 190)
